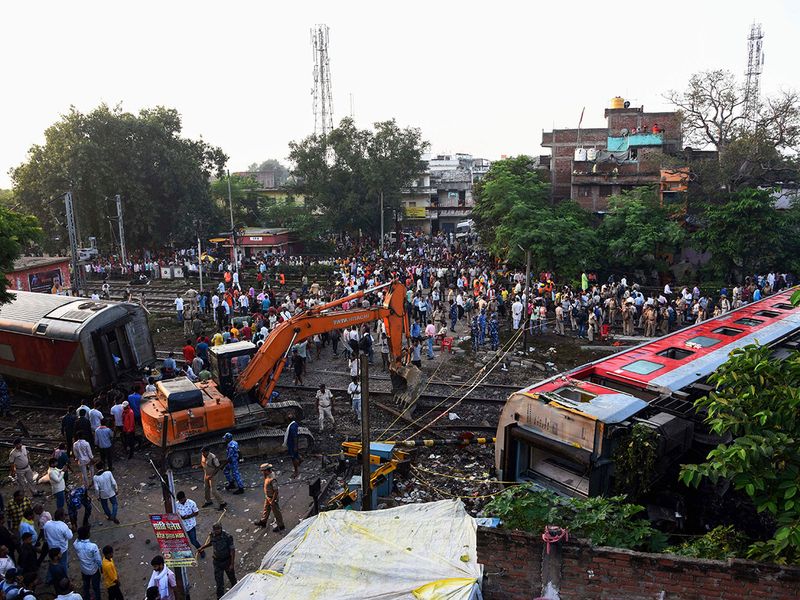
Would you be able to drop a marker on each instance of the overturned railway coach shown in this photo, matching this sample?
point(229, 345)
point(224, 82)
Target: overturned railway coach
point(561, 433)
point(71, 344)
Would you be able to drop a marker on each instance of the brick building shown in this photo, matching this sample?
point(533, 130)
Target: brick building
point(589, 165)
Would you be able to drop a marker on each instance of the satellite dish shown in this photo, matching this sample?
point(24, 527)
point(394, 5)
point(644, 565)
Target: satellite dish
point(624, 131)
point(626, 104)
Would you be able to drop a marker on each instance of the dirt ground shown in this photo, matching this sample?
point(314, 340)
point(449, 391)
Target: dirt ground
point(438, 472)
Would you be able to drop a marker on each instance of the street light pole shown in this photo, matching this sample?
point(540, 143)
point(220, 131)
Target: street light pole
point(527, 298)
point(233, 243)
point(381, 223)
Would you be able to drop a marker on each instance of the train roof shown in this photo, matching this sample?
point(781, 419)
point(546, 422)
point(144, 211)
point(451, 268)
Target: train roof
point(593, 400)
point(677, 360)
point(31, 312)
point(681, 358)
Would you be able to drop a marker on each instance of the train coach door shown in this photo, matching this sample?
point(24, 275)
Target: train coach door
point(115, 355)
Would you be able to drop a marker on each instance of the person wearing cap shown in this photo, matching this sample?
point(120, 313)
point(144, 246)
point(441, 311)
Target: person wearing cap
point(231, 469)
point(211, 466)
point(128, 428)
point(21, 467)
point(224, 557)
point(270, 500)
point(324, 406)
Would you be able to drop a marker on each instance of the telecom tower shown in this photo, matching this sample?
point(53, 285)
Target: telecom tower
point(755, 64)
point(323, 100)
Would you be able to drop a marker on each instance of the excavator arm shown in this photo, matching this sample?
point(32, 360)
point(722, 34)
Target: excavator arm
point(265, 367)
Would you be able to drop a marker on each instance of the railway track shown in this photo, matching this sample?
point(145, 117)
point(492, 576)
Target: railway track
point(389, 393)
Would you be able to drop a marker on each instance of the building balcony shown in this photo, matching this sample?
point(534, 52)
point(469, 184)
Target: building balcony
point(615, 178)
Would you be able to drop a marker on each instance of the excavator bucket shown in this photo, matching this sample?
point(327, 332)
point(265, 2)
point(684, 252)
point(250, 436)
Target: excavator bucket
point(407, 383)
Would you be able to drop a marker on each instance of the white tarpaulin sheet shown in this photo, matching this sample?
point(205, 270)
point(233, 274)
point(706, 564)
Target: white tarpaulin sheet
point(419, 551)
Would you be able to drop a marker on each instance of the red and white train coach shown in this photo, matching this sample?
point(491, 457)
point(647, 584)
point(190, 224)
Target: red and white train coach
point(72, 344)
point(562, 432)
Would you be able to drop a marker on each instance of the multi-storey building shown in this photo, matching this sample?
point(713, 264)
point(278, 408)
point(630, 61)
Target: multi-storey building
point(589, 165)
point(442, 197)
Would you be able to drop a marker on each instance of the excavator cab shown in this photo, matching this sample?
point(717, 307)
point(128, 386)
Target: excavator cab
point(227, 363)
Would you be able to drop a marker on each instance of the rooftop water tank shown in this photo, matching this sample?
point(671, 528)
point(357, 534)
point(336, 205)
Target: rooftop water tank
point(617, 102)
point(580, 154)
point(591, 154)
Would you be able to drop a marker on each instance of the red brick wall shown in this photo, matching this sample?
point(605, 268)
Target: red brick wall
point(614, 574)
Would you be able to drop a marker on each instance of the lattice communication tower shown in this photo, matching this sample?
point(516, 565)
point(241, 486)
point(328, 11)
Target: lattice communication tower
point(323, 99)
point(755, 65)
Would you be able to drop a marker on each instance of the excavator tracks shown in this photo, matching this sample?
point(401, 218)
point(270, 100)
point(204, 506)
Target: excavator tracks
point(254, 443)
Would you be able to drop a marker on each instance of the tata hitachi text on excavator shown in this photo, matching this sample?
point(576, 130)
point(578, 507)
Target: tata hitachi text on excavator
point(186, 416)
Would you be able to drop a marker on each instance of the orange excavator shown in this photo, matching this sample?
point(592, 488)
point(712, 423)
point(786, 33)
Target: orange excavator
point(183, 416)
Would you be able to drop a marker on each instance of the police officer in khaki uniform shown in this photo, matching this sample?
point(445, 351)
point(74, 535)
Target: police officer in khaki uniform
point(210, 464)
point(270, 500)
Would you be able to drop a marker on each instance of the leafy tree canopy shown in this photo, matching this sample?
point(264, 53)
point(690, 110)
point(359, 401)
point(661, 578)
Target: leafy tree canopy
point(513, 214)
point(17, 231)
point(757, 400)
point(163, 178)
point(342, 174)
point(637, 231)
point(747, 233)
point(245, 198)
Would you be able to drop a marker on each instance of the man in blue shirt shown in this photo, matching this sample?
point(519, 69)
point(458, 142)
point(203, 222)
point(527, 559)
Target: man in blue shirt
point(202, 350)
point(290, 440)
point(231, 469)
point(90, 562)
point(104, 440)
point(134, 401)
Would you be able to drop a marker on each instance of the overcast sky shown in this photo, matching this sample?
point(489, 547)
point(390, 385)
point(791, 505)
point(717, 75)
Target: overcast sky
point(478, 77)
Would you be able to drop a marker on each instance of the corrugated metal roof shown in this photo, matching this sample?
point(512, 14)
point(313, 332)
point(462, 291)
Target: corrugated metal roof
point(30, 307)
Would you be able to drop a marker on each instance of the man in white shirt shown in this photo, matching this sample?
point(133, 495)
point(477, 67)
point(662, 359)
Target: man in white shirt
point(324, 406)
point(354, 390)
point(188, 511)
point(95, 416)
point(178, 307)
point(106, 487)
point(516, 313)
point(82, 452)
point(116, 412)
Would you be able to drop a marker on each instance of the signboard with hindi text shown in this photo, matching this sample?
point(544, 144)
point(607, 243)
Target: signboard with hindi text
point(173, 541)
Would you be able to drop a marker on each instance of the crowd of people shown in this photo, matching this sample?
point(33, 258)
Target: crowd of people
point(452, 290)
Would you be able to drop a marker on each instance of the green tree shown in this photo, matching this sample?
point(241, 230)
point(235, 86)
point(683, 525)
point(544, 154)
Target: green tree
point(17, 231)
point(163, 178)
point(513, 213)
point(342, 174)
point(637, 231)
point(745, 232)
point(245, 198)
point(757, 400)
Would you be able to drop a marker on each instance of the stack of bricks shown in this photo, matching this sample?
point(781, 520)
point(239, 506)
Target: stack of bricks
point(513, 566)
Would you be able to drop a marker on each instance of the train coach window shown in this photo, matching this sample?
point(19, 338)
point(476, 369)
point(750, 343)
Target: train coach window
point(7, 353)
point(770, 314)
point(702, 341)
point(784, 306)
point(727, 331)
point(675, 353)
point(642, 367)
point(748, 321)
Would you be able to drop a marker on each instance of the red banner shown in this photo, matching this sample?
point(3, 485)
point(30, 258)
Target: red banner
point(173, 541)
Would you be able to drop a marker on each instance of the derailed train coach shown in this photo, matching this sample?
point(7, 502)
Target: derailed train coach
point(73, 345)
point(562, 433)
